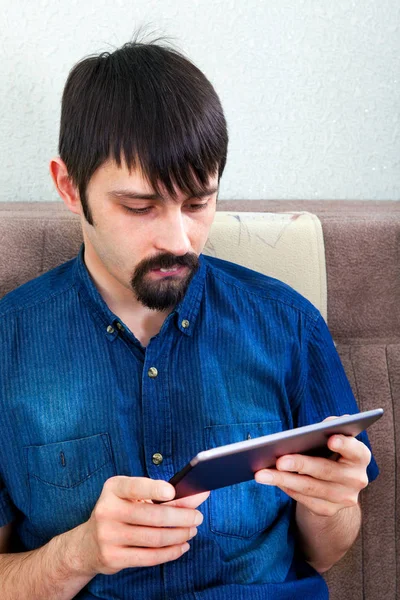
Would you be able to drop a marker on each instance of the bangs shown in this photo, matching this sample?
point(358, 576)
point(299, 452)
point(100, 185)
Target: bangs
point(149, 107)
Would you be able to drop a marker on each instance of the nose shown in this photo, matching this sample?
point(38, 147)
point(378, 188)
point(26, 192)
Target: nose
point(172, 235)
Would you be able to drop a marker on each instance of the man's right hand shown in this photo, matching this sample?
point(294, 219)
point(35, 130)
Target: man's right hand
point(126, 529)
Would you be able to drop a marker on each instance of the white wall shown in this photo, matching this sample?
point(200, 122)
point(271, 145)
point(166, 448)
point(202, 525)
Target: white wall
point(311, 88)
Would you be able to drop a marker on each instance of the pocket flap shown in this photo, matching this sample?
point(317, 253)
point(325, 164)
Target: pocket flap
point(67, 464)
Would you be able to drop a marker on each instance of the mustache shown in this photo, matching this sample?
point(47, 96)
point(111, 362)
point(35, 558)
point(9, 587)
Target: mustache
point(167, 261)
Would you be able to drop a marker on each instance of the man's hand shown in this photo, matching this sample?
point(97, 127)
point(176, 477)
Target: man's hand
point(323, 486)
point(126, 529)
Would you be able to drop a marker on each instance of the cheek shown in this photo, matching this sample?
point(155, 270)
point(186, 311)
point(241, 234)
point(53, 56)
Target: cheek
point(200, 230)
point(114, 250)
point(204, 232)
point(198, 237)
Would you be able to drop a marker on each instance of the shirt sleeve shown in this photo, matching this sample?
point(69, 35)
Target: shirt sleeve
point(327, 391)
point(7, 508)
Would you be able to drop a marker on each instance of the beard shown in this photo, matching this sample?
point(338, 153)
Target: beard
point(168, 291)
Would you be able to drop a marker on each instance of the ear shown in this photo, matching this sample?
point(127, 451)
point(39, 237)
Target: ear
point(64, 185)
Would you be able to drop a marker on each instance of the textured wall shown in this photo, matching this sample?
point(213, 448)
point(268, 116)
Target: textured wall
point(311, 88)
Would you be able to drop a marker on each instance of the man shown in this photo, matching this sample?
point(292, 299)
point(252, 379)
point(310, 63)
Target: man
point(120, 365)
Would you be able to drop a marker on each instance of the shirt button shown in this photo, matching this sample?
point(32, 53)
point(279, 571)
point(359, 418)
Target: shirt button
point(185, 323)
point(119, 326)
point(110, 329)
point(152, 372)
point(157, 458)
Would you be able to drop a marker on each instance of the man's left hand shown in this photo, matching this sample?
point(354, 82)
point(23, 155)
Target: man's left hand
point(322, 485)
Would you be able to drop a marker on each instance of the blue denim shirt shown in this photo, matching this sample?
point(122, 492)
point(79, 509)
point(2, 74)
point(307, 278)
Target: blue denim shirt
point(78, 406)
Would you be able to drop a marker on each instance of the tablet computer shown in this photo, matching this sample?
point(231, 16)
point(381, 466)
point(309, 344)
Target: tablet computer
point(234, 463)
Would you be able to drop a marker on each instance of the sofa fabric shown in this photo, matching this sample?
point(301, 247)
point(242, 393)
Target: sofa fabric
point(363, 292)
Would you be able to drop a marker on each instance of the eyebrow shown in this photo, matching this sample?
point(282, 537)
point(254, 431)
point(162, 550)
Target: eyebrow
point(133, 195)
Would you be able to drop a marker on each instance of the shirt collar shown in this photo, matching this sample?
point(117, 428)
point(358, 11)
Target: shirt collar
point(184, 314)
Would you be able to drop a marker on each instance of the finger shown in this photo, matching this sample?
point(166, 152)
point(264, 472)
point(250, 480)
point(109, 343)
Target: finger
point(325, 469)
point(140, 488)
point(305, 485)
point(335, 417)
point(351, 450)
point(155, 515)
point(317, 467)
point(123, 558)
point(323, 508)
point(120, 534)
point(190, 501)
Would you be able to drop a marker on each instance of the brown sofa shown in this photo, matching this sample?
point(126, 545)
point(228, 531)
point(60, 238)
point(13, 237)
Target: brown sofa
point(362, 259)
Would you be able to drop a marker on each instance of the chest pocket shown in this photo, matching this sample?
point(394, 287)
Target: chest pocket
point(65, 482)
point(247, 508)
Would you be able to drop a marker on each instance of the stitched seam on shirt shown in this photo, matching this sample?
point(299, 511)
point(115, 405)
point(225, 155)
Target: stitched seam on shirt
point(89, 303)
point(301, 393)
point(106, 444)
point(13, 311)
point(28, 480)
point(265, 297)
point(70, 487)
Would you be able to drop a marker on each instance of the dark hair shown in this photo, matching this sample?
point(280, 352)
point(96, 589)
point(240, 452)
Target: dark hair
point(146, 104)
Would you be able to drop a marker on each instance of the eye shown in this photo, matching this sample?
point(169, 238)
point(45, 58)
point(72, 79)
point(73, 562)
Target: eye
point(136, 211)
point(195, 207)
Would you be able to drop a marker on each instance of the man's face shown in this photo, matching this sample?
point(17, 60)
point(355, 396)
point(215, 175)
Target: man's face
point(146, 243)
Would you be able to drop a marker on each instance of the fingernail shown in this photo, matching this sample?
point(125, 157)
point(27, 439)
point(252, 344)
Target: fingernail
point(287, 463)
point(185, 547)
point(337, 442)
point(192, 532)
point(198, 519)
point(265, 477)
point(166, 493)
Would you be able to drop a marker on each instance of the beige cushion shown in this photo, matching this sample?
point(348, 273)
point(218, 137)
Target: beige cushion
point(287, 246)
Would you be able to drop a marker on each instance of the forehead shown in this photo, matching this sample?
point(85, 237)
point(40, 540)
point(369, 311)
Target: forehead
point(112, 177)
